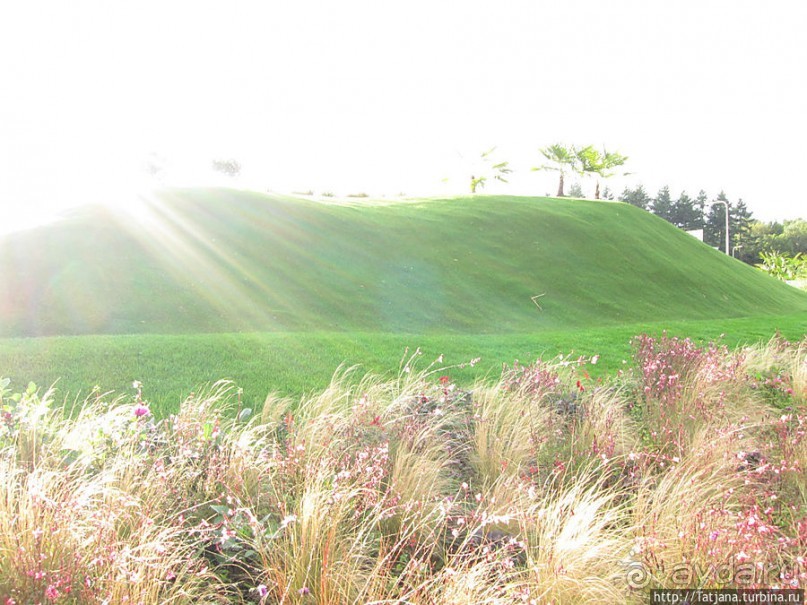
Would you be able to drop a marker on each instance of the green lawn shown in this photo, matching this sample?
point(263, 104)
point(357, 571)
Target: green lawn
point(205, 261)
point(275, 293)
point(171, 366)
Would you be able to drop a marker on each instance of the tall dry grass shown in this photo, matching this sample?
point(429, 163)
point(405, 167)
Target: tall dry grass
point(542, 487)
point(78, 524)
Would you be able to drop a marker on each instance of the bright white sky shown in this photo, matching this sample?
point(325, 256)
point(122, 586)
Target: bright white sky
point(388, 97)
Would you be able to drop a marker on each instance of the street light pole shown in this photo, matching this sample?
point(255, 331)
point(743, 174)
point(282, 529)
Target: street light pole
point(726, 204)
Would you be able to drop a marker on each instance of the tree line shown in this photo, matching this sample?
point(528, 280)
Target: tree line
point(748, 238)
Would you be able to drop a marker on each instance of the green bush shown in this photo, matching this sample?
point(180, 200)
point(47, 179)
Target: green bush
point(784, 267)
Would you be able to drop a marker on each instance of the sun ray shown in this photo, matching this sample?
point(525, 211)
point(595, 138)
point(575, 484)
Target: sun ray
point(179, 236)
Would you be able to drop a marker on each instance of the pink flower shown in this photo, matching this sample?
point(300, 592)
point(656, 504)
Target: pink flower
point(141, 409)
point(52, 593)
point(262, 590)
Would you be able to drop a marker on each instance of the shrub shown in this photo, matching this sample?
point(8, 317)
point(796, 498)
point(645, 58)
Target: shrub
point(784, 267)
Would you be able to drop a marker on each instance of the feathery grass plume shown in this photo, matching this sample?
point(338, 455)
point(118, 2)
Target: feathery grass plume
point(798, 374)
point(541, 422)
point(29, 423)
point(797, 457)
point(576, 536)
point(77, 536)
point(599, 433)
point(321, 549)
point(479, 579)
point(274, 408)
point(704, 515)
point(317, 480)
point(521, 421)
point(786, 465)
point(426, 469)
point(510, 431)
point(99, 432)
point(187, 452)
point(778, 370)
point(454, 552)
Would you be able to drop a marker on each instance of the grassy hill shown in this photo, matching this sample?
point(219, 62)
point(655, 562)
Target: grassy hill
point(190, 261)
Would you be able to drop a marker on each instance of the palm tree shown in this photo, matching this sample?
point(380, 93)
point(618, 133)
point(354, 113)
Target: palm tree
point(499, 170)
point(592, 162)
point(562, 159)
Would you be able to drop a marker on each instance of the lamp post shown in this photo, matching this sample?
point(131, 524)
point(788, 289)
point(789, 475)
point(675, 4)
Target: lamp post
point(726, 204)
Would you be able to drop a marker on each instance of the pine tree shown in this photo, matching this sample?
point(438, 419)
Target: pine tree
point(636, 197)
point(684, 213)
point(700, 206)
point(714, 231)
point(576, 190)
point(739, 223)
point(663, 204)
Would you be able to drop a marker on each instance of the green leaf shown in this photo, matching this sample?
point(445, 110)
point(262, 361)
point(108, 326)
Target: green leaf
point(221, 509)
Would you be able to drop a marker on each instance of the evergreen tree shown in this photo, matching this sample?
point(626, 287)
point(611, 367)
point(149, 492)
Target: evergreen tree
point(739, 223)
point(576, 190)
point(637, 197)
point(663, 204)
point(684, 213)
point(700, 206)
point(714, 231)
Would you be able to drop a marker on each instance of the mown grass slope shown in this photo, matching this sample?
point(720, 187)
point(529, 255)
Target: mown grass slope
point(170, 366)
point(191, 261)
